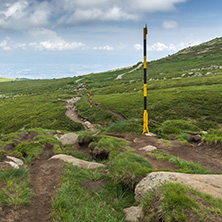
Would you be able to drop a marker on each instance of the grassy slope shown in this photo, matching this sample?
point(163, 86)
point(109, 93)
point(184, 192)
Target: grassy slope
point(6, 79)
point(36, 103)
point(195, 95)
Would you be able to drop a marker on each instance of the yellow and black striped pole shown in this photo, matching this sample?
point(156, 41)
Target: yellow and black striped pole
point(145, 113)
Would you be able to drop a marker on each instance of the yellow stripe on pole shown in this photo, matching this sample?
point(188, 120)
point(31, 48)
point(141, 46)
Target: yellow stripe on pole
point(145, 62)
point(145, 90)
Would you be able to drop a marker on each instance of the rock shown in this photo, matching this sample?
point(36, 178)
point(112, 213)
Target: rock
point(209, 184)
point(77, 162)
point(148, 148)
point(150, 134)
point(15, 160)
point(13, 164)
point(133, 214)
point(195, 138)
point(69, 138)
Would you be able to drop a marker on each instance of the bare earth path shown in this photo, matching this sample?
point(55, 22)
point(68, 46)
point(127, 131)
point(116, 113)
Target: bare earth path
point(72, 114)
point(45, 177)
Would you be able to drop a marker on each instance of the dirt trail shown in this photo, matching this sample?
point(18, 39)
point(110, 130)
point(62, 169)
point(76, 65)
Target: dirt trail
point(45, 178)
point(208, 156)
point(72, 114)
point(120, 76)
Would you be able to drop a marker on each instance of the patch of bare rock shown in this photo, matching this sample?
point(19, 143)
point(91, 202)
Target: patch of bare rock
point(11, 162)
point(77, 162)
point(67, 139)
point(209, 184)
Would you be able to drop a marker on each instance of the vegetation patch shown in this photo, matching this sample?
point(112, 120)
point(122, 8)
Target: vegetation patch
point(183, 165)
point(177, 202)
point(74, 202)
point(125, 126)
point(213, 136)
point(127, 169)
point(15, 184)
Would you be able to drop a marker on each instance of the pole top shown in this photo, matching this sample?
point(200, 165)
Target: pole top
point(145, 31)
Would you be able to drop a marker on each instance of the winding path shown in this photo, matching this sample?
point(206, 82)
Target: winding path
point(72, 114)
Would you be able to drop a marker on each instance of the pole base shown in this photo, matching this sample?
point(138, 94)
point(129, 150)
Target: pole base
point(145, 122)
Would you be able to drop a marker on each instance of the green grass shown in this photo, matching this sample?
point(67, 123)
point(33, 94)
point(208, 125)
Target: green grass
point(127, 169)
point(6, 79)
point(15, 185)
point(213, 136)
point(74, 202)
point(176, 202)
point(125, 126)
point(25, 149)
point(183, 165)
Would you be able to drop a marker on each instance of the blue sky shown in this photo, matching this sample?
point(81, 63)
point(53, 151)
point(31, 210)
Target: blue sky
point(63, 38)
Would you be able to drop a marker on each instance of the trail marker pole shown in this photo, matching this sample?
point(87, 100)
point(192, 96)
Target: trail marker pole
point(145, 113)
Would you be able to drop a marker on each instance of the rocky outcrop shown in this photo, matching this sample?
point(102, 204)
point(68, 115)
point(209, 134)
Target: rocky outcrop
point(209, 184)
point(77, 162)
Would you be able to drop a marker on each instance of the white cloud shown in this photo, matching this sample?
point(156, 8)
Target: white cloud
point(4, 44)
point(169, 24)
point(107, 47)
point(160, 47)
point(22, 14)
point(58, 44)
point(138, 47)
point(26, 14)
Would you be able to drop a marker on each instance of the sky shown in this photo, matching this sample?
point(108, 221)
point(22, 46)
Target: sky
point(44, 39)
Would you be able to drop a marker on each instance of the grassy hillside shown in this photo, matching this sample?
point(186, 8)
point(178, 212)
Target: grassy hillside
point(186, 85)
point(5, 79)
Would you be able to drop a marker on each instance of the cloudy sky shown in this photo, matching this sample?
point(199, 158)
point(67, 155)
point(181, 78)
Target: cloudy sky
point(62, 38)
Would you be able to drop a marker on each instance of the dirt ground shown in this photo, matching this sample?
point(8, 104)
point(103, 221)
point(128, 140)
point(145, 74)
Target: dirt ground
point(46, 174)
point(208, 156)
point(45, 177)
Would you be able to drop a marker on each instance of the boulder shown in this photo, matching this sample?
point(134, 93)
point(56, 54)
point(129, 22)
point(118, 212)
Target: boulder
point(209, 184)
point(133, 214)
point(148, 148)
point(68, 138)
point(77, 162)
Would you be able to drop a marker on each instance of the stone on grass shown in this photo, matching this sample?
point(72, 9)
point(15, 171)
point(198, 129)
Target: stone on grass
point(209, 184)
point(150, 134)
point(13, 164)
point(16, 160)
point(133, 214)
point(148, 148)
point(77, 162)
point(68, 138)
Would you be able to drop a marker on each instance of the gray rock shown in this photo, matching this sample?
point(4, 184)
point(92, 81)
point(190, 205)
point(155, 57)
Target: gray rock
point(133, 214)
point(77, 162)
point(13, 164)
point(148, 148)
point(209, 184)
point(15, 160)
point(67, 139)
